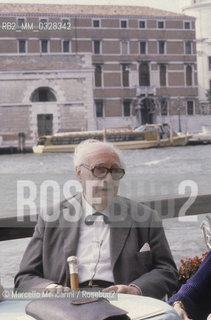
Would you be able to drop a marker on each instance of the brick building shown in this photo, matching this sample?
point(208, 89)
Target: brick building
point(74, 67)
point(201, 10)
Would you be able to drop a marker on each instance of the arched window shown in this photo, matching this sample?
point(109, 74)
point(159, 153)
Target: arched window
point(147, 110)
point(43, 94)
point(189, 76)
point(144, 80)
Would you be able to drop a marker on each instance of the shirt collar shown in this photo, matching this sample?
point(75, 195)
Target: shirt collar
point(88, 209)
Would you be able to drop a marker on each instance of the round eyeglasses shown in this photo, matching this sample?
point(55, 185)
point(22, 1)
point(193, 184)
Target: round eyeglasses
point(101, 172)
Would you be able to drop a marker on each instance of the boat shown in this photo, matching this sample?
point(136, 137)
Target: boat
point(203, 137)
point(145, 136)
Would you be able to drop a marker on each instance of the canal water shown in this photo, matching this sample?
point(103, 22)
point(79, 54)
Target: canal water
point(31, 181)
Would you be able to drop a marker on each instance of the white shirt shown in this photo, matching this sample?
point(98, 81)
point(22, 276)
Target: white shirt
point(94, 245)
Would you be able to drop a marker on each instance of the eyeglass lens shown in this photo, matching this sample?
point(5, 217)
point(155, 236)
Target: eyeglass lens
point(101, 172)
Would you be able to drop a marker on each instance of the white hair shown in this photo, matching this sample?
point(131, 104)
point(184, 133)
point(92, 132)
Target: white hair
point(83, 149)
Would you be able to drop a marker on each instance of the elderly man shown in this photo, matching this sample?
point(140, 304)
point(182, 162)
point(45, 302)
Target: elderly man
point(120, 244)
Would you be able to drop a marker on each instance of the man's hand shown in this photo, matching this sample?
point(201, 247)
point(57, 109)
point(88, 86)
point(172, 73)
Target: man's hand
point(56, 289)
point(121, 288)
point(181, 312)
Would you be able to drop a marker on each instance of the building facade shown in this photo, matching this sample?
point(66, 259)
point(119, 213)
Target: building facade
point(71, 67)
point(201, 10)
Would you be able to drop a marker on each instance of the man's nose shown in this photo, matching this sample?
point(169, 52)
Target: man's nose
point(108, 177)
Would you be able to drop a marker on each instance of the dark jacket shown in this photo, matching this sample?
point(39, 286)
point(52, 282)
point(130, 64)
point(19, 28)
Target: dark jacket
point(196, 292)
point(132, 226)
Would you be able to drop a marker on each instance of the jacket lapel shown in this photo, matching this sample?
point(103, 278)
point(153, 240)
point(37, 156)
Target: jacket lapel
point(119, 229)
point(71, 213)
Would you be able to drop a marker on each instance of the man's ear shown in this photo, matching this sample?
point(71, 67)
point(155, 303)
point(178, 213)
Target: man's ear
point(78, 172)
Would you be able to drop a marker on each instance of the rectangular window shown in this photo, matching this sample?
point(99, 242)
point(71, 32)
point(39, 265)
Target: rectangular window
point(22, 46)
point(96, 44)
point(96, 23)
point(143, 47)
point(190, 110)
point(125, 75)
point(162, 75)
point(98, 75)
point(161, 47)
point(43, 24)
point(142, 24)
point(66, 22)
point(124, 46)
point(66, 46)
point(160, 24)
point(187, 25)
point(123, 23)
point(99, 108)
point(144, 75)
point(43, 20)
point(44, 46)
point(188, 76)
point(187, 47)
point(21, 21)
point(126, 108)
point(209, 62)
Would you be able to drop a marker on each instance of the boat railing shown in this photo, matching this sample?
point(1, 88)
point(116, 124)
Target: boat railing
point(206, 230)
point(106, 135)
point(171, 207)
